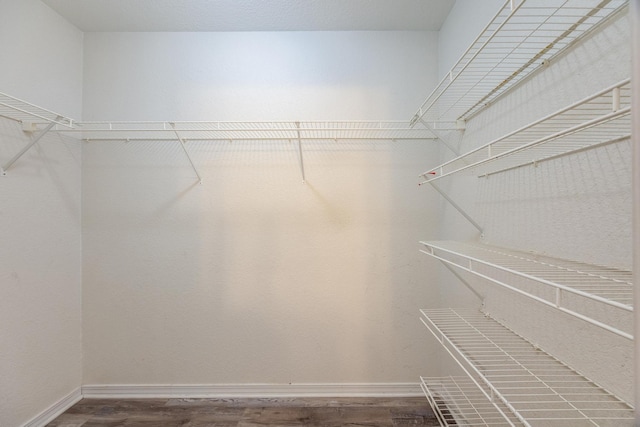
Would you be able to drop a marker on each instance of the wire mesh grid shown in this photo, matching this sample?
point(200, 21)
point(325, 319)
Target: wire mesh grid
point(521, 37)
point(252, 131)
point(602, 118)
point(608, 283)
point(538, 388)
point(550, 281)
point(458, 401)
point(21, 111)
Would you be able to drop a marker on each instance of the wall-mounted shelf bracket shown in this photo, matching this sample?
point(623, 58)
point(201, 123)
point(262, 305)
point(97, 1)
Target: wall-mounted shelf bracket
point(438, 134)
point(458, 208)
point(184, 148)
point(462, 279)
point(6, 166)
point(300, 152)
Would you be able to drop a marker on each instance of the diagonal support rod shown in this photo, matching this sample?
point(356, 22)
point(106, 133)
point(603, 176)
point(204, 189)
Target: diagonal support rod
point(457, 207)
point(443, 140)
point(3, 169)
point(184, 148)
point(300, 152)
point(464, 282)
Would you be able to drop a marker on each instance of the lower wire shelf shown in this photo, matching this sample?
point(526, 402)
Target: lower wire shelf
point(459, 401)
point(598, 295)
point(533, 387)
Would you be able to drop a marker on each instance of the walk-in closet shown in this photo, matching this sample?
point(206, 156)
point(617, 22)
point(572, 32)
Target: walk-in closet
point(364, 211)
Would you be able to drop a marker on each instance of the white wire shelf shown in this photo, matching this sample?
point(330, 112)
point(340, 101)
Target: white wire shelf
point(600, 119)
point(459, 401)
point(24, 112)
point(601, 296)
point(539, 389)
point(249, 131)
point(521, 37)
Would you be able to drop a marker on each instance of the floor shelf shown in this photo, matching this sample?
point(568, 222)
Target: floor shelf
point(538, 389)
point(599, 295)
point(458, 401)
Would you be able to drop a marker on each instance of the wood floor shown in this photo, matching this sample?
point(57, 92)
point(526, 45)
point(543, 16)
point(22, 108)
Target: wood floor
point(326, 412)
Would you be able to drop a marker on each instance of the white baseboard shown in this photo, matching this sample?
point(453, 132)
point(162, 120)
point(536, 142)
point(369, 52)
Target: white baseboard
point(55, 410)
point(141, 391)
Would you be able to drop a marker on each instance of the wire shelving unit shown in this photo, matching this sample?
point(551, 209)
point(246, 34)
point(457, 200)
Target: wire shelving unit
point(34, 118)
point(522, 37)
point(24, 112)
point(29, 114)
point(601, 296)
point(538, 389)
point(600, 119)
point(249, 131)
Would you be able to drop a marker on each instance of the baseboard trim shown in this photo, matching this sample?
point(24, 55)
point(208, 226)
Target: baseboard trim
point(142, 391)
point(56, 409)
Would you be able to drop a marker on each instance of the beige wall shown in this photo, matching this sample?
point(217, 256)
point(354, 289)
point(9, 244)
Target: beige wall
point(253, 276)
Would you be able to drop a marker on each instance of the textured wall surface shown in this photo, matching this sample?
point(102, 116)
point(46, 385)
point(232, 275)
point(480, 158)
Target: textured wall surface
point(463, 24)
point(41, 57)
point(253, 276)
point(40, 255)
point(257, 76)
point(40, 262)
point(576, 207)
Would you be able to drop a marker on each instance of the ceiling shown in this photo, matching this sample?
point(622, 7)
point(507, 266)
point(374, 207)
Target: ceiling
point(253, 15)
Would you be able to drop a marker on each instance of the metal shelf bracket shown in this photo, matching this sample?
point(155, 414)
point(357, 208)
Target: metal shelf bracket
point(300, 152)
point(6, 166)
point(458, 208)
point(184, 148)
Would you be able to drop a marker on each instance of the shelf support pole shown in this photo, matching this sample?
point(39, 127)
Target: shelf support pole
point(444, 141)
point(300, 152)
point(635, 137)
point(457, 207)
point(3, 169)
point(184, 148)
point(464, 282)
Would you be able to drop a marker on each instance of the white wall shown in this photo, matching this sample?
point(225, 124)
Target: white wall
point(254, 277)
point(257, 76)
point(41, 57)
point(40, 255)
point(576, 207)
point(463, 24)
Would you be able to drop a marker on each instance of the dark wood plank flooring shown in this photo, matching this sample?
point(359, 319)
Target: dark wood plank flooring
point(326, 412)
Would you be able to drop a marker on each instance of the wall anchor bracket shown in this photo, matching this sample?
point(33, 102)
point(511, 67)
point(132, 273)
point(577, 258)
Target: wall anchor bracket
point(458, 208)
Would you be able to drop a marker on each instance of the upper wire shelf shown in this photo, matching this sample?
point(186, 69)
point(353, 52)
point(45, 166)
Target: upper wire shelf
point(249, 131)
point(600, 119)
point(24, 112)
point(521, 37)
point(598, 295)
point(537, 388)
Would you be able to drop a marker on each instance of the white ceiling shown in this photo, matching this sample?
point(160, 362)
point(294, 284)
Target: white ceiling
point(253, 15)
